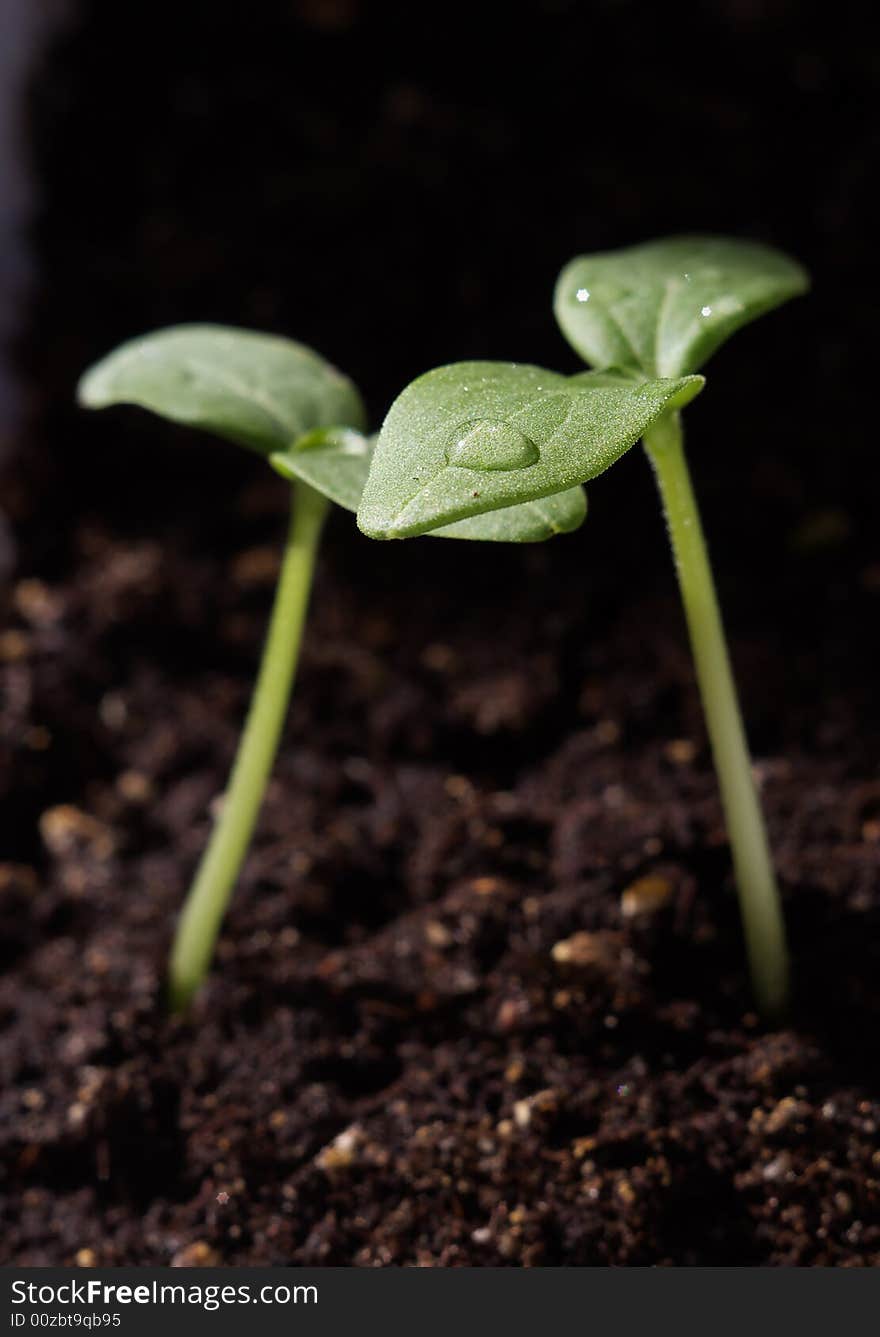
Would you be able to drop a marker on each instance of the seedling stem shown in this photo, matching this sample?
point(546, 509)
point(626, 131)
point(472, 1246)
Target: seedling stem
point(218, 871)
point(756, 884)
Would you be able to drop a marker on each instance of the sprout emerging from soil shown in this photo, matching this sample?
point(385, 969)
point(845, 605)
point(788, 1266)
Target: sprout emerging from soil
point(473, 437)
point(287, 404)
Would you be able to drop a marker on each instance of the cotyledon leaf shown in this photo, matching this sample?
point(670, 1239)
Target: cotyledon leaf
point(473, 437)
point(262, 391)
point(663, 308)
point(258, 390)
point(336, 461)
point(332, 460)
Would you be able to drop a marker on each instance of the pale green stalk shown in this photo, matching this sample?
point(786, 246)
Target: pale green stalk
point(218, 871)
point(758, 893)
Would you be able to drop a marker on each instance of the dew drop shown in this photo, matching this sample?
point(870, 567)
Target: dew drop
point(583, 294)
point(705, 310)
point(489, 445)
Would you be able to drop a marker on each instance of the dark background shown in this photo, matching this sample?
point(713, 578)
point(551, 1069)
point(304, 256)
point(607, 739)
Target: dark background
point(398, 185)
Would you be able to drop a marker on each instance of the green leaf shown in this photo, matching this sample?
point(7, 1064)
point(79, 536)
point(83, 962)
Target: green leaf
point(257, 390)
point(333, 460)
point(476, 436)
point(663, 308)
point(336, 461)
point(529, 522)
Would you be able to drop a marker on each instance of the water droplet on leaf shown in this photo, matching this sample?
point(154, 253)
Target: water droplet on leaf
point(489, 445)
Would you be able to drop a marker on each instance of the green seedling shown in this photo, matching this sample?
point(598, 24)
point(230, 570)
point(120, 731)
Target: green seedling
point(285, 403)
point(471, 436)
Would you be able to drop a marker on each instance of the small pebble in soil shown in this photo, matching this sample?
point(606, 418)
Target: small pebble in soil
point(542, 1102)
point(587, 949)
point(14, 646)
point(135, 787)
point(645, 896)
point(680, 751)
point(437, 934)
point(342, 1151)
point(197, 1254)
point(65, 829)
point(37, 604)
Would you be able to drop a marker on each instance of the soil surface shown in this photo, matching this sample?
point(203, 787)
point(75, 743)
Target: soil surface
point(481, 996)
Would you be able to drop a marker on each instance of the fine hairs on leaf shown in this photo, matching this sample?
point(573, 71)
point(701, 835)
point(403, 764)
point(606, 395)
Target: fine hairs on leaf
point(284, 402)
point(467, 438)
point(529, 522)
point(476, 436)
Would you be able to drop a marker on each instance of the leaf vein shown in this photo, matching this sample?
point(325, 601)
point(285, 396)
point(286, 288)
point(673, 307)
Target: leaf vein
point(243, 390)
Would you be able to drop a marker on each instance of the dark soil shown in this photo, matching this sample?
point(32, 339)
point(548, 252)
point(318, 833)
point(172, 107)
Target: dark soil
point(436, 1033)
